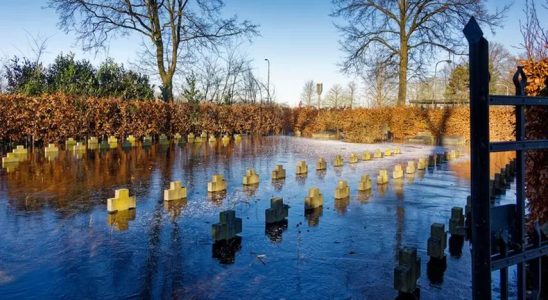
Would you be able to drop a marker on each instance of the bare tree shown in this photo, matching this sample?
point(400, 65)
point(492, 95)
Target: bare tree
point(169, 25)
point(307, 95)
point(335, 96)
point(406, 33)
point(535, 38)
point(379, 83)
point(351, 91)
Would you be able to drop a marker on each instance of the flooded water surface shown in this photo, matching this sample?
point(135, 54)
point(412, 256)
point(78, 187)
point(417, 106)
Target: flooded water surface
point(58, 241)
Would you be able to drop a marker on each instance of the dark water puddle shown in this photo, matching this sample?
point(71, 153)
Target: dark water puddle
point(57, 241)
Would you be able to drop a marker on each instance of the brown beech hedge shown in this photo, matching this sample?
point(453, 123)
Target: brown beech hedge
point(55, 118)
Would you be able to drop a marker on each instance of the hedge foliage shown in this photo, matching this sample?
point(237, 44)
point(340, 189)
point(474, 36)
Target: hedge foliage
point(536, 163)
point(369, 124)
point(55, 118)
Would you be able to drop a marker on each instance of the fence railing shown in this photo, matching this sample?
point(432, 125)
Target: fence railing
point(498, 232)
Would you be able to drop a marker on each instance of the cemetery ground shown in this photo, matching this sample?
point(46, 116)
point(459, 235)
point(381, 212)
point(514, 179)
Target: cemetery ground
point(60, 241)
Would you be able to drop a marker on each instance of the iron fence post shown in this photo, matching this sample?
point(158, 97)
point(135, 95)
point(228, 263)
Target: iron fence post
point(479, 156)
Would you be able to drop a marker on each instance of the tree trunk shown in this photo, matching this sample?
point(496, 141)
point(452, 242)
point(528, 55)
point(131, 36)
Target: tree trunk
point(402, 76)
point(167, 87)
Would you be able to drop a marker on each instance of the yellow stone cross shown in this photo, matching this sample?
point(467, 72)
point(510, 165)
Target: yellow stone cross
point(175, 192)
point(121, 201)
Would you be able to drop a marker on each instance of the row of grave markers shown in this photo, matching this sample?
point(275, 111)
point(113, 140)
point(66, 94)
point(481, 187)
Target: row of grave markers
point(51, 151)
point(313, 200)
point(407, 272)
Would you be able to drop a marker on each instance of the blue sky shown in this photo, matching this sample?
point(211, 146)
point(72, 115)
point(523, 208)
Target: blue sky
point(297, 36)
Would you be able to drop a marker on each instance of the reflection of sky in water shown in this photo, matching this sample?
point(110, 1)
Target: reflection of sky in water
point(58, 241)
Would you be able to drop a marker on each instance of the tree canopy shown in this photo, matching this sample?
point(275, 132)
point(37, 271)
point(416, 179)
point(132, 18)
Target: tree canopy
point(170, 27)
point(76, 77)
point(404, 33)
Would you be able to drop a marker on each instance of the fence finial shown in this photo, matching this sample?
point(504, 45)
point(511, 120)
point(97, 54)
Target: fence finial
point(520, 83)
point(472, 31)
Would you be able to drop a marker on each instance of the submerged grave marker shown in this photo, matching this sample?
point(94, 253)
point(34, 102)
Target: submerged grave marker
point(176, 191)
point(437, 242)
point(410, 169)
point(51, 148)
point(79, 147)
point(226, 139)
point(163, 140)
point(217, 184)
point(397, 150)
point(277, 212)
point(112, 142)
point(131, 139)
point(93, 142)
point(398, 172)
point(212, 139)
point(10, 158)
point(378, 154)
point(20, 152)
point(228, 227)
point(321, 164)
point(387, 152)
point(147, 141)
point(382, 178)
point(278, 173)
point(314, 199)
point(338, 161)
point(353, 158)
point(251, 177)
point(456, 222)
point(421, 165)
point(69, 143)
point(365, 183)
point(408, 270)
point(121, 201)
point(190, 137)
point(302, 168)
point(342, 191)
point(366, 156)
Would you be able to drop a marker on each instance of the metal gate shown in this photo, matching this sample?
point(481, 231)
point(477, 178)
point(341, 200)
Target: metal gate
point(499, 249)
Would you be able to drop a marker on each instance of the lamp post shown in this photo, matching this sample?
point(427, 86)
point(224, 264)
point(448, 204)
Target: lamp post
point(268, 80)
point(435, 77)
point(504, 85)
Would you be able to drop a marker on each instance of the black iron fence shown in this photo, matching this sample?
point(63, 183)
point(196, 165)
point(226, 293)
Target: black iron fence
point(499, 238)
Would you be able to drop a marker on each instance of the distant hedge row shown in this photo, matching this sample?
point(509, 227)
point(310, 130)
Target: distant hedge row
point(55, 118)
point(370, 124)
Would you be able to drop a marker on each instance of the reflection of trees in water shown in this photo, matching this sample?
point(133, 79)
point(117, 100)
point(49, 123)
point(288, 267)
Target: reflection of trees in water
point(313, 216)
point(321, 174)
point(497, 161)
point(175, 265)
point(69, 182)
point(398, 188)
point(341, 205)
point(151, 264)
point(278, 184)
point(275, 231)
point(363, 196)
point(382, 188)
point(120, 219)
point(250, 190)
point(301, 179)
point(225, 251)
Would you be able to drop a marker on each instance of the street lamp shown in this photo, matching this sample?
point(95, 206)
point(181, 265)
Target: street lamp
point(268, 80)
point(435, 77)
